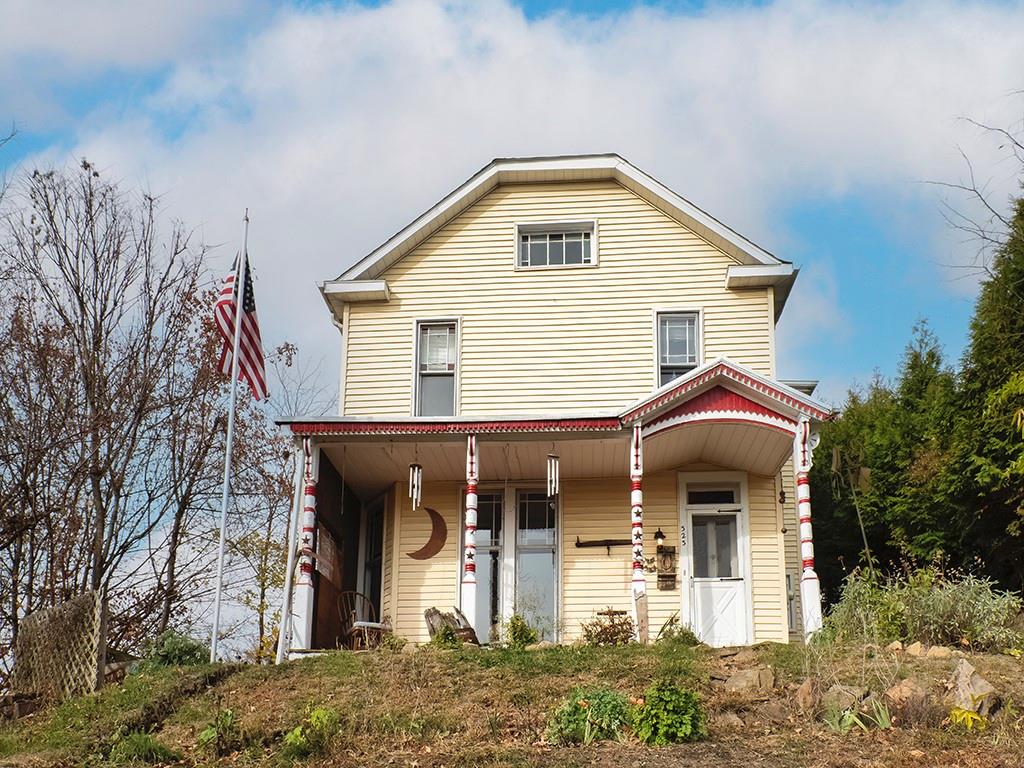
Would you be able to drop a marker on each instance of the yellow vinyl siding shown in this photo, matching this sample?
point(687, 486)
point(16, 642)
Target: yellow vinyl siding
point(593, 579)
point(766, 562)
point(792, 541)
point(429, 583)
point(568, 340)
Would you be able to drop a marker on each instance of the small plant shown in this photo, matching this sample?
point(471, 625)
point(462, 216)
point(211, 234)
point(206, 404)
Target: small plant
point(613, 628)
point(313, 734)
point(880, 714)
point(137, 747)
point(392, 642)
point(171, 649)
point(674, 632)
point(842, 721)
point(445, 638)
point(588, 716)
point(222, 735)
point(518, 633)
point(967, 719)
point(670, 715)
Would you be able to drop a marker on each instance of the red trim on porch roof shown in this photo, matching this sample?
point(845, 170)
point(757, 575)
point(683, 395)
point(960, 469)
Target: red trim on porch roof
point(457, 428)
point(721, 399)
point(727, 371)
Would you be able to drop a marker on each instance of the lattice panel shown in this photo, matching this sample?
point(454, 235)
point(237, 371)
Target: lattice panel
point(60, 650)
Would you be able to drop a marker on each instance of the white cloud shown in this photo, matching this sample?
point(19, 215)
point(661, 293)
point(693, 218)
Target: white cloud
point(336, 126)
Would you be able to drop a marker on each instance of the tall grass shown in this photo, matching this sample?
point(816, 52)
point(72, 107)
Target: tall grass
point(928, 605)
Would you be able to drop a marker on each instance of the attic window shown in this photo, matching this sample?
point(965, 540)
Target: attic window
point(557, 245)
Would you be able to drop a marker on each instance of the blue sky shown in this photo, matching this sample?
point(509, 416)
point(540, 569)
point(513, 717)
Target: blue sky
point(811, 127)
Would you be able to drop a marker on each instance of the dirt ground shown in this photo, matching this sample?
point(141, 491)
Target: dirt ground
point(490, 708)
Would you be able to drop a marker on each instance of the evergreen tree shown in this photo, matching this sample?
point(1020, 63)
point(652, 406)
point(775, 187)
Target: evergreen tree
point(989, 471)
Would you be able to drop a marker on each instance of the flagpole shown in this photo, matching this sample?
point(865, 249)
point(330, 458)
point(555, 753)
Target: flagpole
point(240, 272)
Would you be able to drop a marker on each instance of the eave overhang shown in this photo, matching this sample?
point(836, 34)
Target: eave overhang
point(337, 293)
point(778, 277)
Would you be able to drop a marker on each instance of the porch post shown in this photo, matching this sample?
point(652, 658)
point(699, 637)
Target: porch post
point(467, 598)
point(810, 590)
point(302, 632)
point(284, 634)
point(639, 582)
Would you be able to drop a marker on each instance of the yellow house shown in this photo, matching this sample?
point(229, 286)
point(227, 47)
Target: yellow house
point(558, 396)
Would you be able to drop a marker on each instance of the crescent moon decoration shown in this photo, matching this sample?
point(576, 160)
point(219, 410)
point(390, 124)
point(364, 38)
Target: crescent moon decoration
point(438, 537)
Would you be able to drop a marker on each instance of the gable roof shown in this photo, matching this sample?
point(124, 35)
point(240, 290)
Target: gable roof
point(755, 266)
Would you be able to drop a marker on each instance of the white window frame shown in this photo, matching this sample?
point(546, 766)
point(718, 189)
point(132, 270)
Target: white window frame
point(656, 336)
point(416, 324)
point(554, 227)
point(509, 548)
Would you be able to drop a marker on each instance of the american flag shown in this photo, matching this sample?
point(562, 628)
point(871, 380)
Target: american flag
point(251, 368)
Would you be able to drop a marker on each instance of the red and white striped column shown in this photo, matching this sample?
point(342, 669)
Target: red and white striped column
point(636, 498)
point(810, 590)
point(304, 593)
point(468, 591)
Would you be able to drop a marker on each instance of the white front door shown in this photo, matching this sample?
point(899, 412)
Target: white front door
point(716, 551)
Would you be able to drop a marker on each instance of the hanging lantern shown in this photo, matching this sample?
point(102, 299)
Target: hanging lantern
point(415, 485)
point(553, 471)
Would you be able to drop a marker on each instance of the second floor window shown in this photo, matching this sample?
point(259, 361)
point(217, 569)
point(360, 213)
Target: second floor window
point(436, 361)
point(554, 249)
point(677, 345)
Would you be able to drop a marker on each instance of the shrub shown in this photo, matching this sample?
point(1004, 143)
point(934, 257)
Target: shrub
point(588, 716)
point(926, 605)
point(137, 747)
point(518, 633)
point(674, 632)
point(445, 638)
point(312, 735)
point(171, 649)
point(610, 629)
point(669, 715)
point(222, 735)
point(392, 642)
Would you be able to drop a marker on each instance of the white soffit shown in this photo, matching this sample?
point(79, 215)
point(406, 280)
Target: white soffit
point(555, 169)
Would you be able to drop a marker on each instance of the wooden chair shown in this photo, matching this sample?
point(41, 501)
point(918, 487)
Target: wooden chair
point(360, 629)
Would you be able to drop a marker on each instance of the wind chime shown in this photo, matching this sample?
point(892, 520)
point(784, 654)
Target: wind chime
point(416, 481)
point(553, 472)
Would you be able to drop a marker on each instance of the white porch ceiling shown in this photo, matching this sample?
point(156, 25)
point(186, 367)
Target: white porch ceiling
point(370, 466)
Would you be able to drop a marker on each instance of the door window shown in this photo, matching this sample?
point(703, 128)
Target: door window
point(536, 561)
point(487, 612)
point(715, 551)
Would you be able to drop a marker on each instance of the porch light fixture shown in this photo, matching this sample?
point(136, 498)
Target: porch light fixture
point(553, 474)
point(415, 485)
point(659, 537)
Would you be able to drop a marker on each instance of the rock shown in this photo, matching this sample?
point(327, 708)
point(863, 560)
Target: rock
point(727, 720)
point(540, 646)
point(776, 711)
point(971, 691)
point(725, 653)
point(842, 697)
point(915, 649)
point(894, 647)
point(906, 693)
point(757, 678)
point(939, 652)
point(746, 656)
point(806, 696)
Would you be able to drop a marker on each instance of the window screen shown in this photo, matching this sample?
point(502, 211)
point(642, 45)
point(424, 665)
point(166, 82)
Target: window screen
point(714, 547)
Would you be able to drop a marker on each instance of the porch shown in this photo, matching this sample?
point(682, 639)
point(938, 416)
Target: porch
point(706, 462)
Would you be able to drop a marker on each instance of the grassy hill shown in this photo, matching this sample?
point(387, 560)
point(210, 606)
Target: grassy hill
point(473, 707)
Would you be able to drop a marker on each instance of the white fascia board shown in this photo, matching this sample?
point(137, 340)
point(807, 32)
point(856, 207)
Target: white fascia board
point(807, 386)
point(554, 169)
point(340, 292)
point(755, 275)
point(706, 225)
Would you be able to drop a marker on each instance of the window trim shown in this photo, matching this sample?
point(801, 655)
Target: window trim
point(416, 324)
point(656, 337)
point(554, 227)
